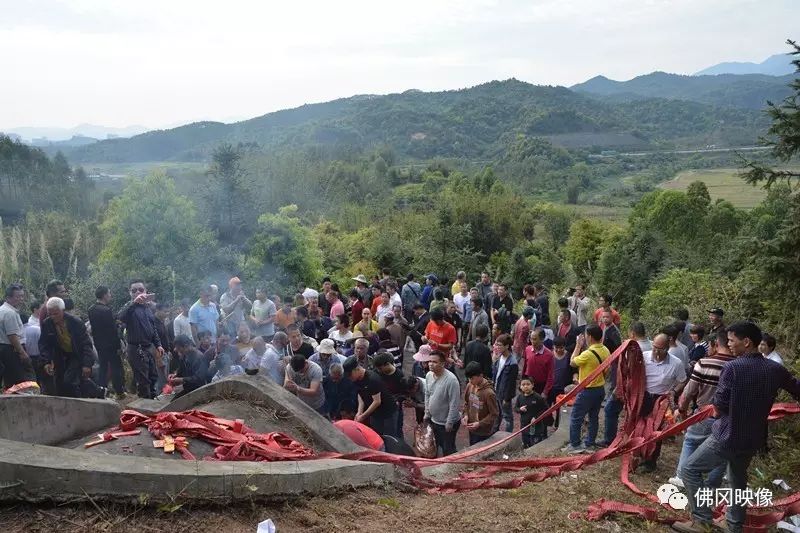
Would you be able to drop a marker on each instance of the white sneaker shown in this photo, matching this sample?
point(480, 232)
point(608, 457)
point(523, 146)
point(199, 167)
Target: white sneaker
point(678, 482)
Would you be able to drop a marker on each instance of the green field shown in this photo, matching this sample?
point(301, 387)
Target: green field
point(173, 168)
point(722, 183)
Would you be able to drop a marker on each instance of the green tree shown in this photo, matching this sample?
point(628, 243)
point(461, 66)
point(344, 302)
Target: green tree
point(672, 213)
point(283, 251)
point(698, 192)
point(783, 136)
point(151, 231)
point(777, 259)
point(229, 204)
point(705, 290)
point(533, 262)
point(556, 222)
point(628, 264)
point(587, 240)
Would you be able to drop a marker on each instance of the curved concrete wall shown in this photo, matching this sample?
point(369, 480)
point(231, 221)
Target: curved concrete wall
point(258, 389)
point(53, 419)
point(43, 473)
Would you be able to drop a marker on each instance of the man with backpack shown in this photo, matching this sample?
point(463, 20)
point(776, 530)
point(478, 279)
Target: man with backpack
point(409, 296)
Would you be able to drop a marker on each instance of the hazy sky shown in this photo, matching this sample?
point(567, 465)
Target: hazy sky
point(157, 63)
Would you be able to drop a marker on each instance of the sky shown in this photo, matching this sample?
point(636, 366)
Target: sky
point(162, 63)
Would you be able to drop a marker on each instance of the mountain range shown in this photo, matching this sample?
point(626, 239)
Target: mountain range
point(657, 110)
point(748, 91)
point(776, 65)
point(478, 122)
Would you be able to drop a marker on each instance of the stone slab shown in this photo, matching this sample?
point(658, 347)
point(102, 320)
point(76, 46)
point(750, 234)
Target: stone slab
point(53, 419)
point(42, 473)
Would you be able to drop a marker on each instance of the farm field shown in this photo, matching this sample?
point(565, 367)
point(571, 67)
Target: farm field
point(723, 183)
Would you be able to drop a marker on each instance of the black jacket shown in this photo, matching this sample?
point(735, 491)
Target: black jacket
point(104, 327)
point(193, 368)
point(505, 384)
point(479, 352)
point(571, 338)
point(82, 350)
point(140, 324)
point(418, 329)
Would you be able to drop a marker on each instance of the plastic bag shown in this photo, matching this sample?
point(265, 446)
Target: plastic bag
point(424, 443)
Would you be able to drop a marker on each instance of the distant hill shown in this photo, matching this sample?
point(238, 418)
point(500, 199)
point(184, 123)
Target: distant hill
point(474, 123)
point(777, 65)
point(29, 133)
point(749, 91)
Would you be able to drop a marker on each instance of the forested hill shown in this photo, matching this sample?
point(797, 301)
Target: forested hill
point(475, 123)
point(748, 91)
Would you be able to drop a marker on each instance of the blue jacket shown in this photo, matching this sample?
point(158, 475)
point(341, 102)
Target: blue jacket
point(505, 385)
point(427, 296)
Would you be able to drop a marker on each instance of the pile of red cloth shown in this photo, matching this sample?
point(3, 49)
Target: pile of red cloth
point(234, 441)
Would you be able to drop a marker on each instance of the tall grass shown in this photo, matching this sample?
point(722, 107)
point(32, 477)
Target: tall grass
point(21, 261)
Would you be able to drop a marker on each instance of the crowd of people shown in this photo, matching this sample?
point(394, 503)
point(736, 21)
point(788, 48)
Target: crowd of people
point(455, 355)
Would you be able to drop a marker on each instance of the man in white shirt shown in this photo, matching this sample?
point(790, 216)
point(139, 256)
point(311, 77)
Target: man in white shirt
point(579, 304)
point(273, 362)
point(462, 298)
point(665, 374)
point(767, 348)
point(394, 296)
point(252, 359)
point(181, 324)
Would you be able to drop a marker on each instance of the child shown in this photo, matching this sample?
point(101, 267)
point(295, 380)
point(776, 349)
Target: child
point(530, 404)
point(481, 410)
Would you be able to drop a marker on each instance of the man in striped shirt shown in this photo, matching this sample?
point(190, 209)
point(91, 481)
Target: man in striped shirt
point(745, 393)
point(700, 391)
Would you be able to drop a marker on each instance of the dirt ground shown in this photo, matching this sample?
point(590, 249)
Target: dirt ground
point(544, 506)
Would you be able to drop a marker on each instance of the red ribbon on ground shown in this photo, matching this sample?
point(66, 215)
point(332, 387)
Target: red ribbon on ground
point(234, 441)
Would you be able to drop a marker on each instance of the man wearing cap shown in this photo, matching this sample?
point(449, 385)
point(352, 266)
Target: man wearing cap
point(376, 407)
point(715, 323)
point(326, 356)
point(361, 287)
point(234, 305)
